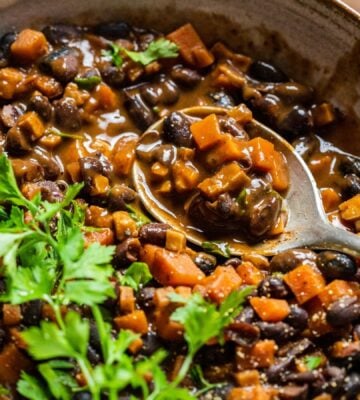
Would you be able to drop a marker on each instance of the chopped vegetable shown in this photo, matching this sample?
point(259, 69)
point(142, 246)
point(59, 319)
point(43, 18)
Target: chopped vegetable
point(29, 46)
point(206, 132)
point(270, 310)
point(312, 362)
point(136, 276)
point(88, 83)
point(218, 248)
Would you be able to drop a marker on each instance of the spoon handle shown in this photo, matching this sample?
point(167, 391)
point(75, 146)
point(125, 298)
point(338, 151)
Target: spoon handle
point(333, 238)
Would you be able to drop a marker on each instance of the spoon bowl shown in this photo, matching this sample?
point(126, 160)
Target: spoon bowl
point(307, 224)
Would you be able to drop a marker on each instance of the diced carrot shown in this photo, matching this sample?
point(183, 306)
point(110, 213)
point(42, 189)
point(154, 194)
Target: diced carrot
point(279, 172)
point(330, 199)
point(126, 299)
point(104, 236)
point(159, 171)
point(147, 253)
point(106, 97)
point(11, 314)
point(270, 310)
point(241, 113)
point(31, 124)
point(123, 154)
point(229, 178)
point(165, 327)
point(279, 227)
point(305, 282)
point(74, 171)
point(206, 132)
point(124, 225)
point(335, 290)
point(350, 209)
point(317, 323)
point(10, 79)
point(321, 164)
point(249, 274)
point(261, 151)
point(136, 345)
point(228, 149)
point(50, 142)
point(48, 86)
point(100, 185)
point(191, 47)
point(175, 240)
point(345, 349)
point(260, 355)
point(249, 377)
point(221, 283)
point(256, 392)
point(174, 269)
point(29, 46)
point(135, 321)
point(323, 114)
point(12, 362)
point(185, 176)
point(98, 217)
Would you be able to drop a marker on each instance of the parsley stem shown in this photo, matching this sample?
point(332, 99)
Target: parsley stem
point(86, 370)
point(184, 369)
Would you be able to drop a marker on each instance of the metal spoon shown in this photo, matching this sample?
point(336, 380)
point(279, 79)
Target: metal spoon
point(307, 224)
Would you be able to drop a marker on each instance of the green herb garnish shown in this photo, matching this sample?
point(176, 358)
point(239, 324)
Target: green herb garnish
point(218, 248)
point(88, 83)
point(138, 216)
point(136, 276)
point(312, 362)
point(114, 54)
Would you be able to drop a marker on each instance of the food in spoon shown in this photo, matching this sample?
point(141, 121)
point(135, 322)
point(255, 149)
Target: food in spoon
point(100, 302)
point(208, 172)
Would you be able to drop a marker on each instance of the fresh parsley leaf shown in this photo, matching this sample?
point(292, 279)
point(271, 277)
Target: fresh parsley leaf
point(31, 388)
point(87, 292)
point(51, 341)
point(160, 48)
point(4, 390)
point(219, 248)
point(139, 217)
point(9, 191)
point(198, 378)
point(88, 83)
point(136, 276)
point(60, 383)
point(203, 320)
point(114, 54)
point(9, 244)
point(312, 362)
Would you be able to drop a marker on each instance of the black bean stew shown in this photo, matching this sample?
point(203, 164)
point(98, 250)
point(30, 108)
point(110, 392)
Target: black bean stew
point(100, 302)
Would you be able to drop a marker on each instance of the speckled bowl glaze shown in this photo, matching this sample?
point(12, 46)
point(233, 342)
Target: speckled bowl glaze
point(314, 41)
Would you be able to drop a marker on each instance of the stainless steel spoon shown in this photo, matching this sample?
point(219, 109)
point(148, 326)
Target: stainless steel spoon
point(307, 224)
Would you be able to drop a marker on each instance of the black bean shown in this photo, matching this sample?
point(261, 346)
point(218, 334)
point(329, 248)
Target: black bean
point(141, 114)
point(50, 165)
point(229, 125)
point(154, 233)
point(290, 259)
point(246, 315)
point(127, 252)
point(263, 213)
point(85, 395)
point(279, 331)
point(145, 297)
point(67, 115)
point(119, 196)
point(298, 317)
point(151, 344)
point(112, 75)
point(16, 142)
point(222, 99)
point(243, 333)
point(113, 30)
point(233, 261)
point(334, 377)
point(293, 92)
point(216, 354)
point(273, 286)
point(334, 265)
point(176, 130)
point(5, 43)
point(61, 33)
point(343, 311)
point(294, 392)
point(31, 312)
point(350, 166)
point(278, 371)
point(351, 186)
point(185, 76)
point(352, 386)
point(263, 71)
point(93, 356)
point(2, 337)
point(206, 262)
point(63, 64)
point(163, 91)
point(41, 105)
point(10, 114)
point(296, 348)
point(303, 377)
point(297, 122)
